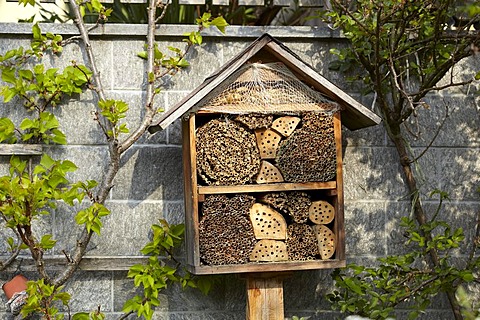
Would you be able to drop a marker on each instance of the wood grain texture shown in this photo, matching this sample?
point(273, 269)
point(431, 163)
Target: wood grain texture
point(264, 298)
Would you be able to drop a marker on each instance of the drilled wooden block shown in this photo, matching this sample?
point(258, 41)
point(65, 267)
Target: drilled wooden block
point(326, 241)
point(269, 251)
point(267, 223)
point(269, 173)
point(267, 142)
point(321, 212)
point(285, 125)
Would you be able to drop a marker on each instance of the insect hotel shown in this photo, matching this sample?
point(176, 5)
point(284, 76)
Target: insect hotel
point(262, 153)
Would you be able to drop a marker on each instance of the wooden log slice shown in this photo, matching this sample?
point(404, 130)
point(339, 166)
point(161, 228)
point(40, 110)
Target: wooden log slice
point(267, 223)
point(285, 125)
point(326, 241)
point(269, 173)
point(267, 142)
point(321, 212)
point(269, 251)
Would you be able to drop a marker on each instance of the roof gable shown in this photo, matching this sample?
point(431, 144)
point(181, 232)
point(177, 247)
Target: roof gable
point(354, 114)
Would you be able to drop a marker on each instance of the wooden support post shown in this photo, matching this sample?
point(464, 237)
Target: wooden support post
point(265, 296)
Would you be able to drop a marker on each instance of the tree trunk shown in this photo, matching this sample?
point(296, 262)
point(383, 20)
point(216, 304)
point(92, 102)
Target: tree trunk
point(395, 135)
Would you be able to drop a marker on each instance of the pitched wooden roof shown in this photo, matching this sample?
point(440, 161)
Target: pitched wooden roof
point(354, 115)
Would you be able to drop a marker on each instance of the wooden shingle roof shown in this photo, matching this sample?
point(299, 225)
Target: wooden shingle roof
point(354, 115)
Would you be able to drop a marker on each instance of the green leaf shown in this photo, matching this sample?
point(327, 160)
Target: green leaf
point(8, 94)
point(220, 23)
point(37, 33)
point(46, 161)
point(96, 5)
point(47, 242)
point(8, 75)
point(183, 63)
point(143, 55)
point(151, 77)
point(7, 130)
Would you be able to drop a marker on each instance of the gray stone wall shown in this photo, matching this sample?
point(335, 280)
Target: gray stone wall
point(149, 185)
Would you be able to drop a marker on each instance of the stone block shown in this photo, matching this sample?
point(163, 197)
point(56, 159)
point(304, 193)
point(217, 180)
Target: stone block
point(229, 49)
point(77, 120)
point(203, 62)
point(175, 132)
point(125, 53)
point(175, 212)
point(136, 114)
point(90, 160)
point(127, 229)
point(426, 169)
point(365, 228)
point(367, 137)
point(123, 290)
point(372, 173)
point(465, 70)
point(316, 53)
point(396, 238)
point(460, 173)
point(448, 121)
point(90, 290)
point(311, 294)
point(65, 229)
point(188, 300)
point(235, 293)
point(150, 173)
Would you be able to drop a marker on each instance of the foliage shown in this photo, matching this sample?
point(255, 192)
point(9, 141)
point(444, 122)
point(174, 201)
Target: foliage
point(42, 298)
point(155, 275)
point(404, 47)
point(39, 89)
point(404, 280)
point(31, 191)
point(401, 51)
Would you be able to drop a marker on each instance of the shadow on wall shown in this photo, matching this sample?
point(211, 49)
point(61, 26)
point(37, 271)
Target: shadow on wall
point(152, 172)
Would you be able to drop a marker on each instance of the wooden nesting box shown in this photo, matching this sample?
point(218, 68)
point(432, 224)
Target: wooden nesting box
point(262, 152)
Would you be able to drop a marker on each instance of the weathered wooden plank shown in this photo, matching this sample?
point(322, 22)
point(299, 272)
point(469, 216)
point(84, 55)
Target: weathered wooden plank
point(20, 149)
point(266, 187)
point(338, 227)
point(190, 187)
point(267, 267)
point(265, 297)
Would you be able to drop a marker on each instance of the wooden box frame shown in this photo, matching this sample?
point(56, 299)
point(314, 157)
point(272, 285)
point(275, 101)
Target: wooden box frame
point(195, 194)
